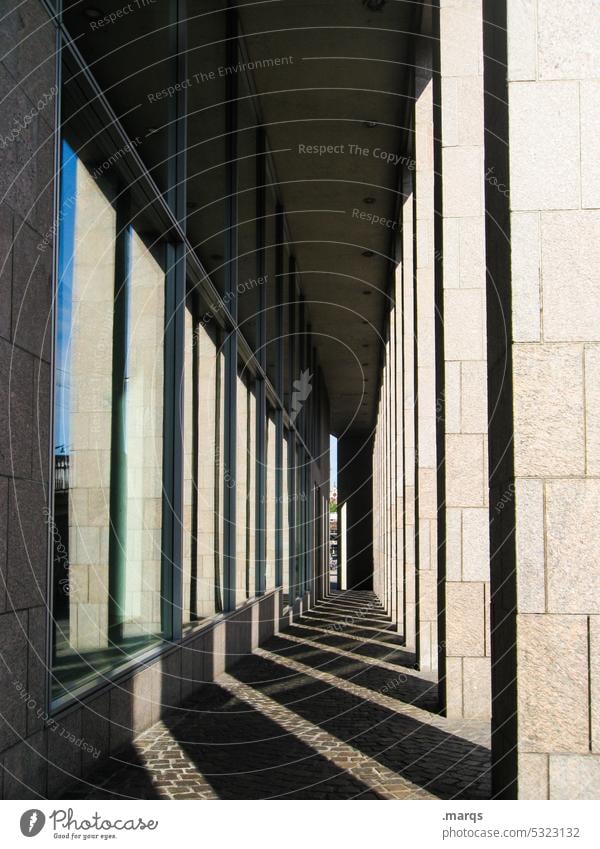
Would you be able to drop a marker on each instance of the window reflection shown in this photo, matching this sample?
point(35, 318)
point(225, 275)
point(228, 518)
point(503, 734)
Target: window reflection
point(108, 437)
point(203, 472)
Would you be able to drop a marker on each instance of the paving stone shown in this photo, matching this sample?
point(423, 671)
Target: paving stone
point(308, 716)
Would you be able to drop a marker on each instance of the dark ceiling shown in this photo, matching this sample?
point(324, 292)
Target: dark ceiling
point(342, 91)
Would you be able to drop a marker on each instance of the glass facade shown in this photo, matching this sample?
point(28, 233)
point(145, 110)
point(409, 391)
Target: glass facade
point(203, 438)
point(271, 498)
point(108, 434)
point(180, 445)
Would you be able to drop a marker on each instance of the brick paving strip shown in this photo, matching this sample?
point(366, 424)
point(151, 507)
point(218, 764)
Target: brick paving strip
point(173, 774)
point(381, 631)
point(326, 647)
point(385, 782)
point(346, 635)
point(468, 730)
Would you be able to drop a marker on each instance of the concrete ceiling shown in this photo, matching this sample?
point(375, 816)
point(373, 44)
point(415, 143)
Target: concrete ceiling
point(347, 71)
point(339, 80)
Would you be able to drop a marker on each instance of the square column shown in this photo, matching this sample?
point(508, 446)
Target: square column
point(466, 674)
point(543, 201)
point(426, 449)
point(407, 401)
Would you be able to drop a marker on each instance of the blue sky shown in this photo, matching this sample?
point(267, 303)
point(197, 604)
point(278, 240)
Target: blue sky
point(66, 245)
point(333, 459)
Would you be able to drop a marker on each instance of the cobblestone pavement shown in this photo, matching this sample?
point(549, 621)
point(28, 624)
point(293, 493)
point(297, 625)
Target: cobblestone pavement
point(331, 708)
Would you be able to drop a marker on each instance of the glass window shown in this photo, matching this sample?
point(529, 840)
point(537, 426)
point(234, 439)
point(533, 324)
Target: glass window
point(287, 516)
point(270, 500)
point(142, 421)
point(293, 513)
point(245, 489)
point(203, 472)
point(250, 566)
point(299, 525)
point(108, 434)
point(214, 464)
point(303, 533)
point(243, 423)
point(190, 471)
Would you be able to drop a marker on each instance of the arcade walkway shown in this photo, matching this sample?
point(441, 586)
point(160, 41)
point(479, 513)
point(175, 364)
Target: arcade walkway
point(330, 708)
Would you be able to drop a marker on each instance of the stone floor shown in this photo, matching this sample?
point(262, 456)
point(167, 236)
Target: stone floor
point(332, 708)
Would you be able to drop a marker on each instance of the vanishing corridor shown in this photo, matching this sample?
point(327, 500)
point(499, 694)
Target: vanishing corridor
point(300, 399)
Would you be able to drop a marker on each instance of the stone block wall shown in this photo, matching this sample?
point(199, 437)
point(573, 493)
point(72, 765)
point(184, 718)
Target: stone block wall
point(27, 142)
point(554, 120)
point(542, 72)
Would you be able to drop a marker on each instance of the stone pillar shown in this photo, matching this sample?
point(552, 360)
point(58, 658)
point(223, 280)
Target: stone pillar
point(398, 445)
point(384, 487)
point(378, 517)
point(543, 61)
point(387, 500)
point(467, 572)
point(426, 527)
point(395, 561)
point(408, 411)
